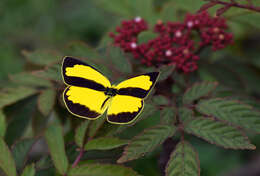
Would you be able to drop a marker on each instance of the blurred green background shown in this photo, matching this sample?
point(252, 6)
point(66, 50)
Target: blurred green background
point(49, 24)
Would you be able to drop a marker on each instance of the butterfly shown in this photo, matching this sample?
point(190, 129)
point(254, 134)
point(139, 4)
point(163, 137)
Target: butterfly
point(89, 94)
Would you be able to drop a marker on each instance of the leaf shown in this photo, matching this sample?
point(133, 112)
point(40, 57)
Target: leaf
point(29, 170)
point(185, 115)
point(46, 101)
point(144, 9)
point(146, 142)
point(244, 17)
point(165, 72)
point(80, 133)
point(6, 161)
point(20, 152)
point(160, 100)
point(168, 116)
point(118, 59)
point(44, 163)
point(183, 161)
point(42, 57)
point(21, 119)
point(11, 95)
point(82, 50)
point(167, 13)
point(218, 133)
point(52, 72)
point(116, 7)
point(55, 142)
point(187, 5)
point(2, 123)
point(101, 170)
point(146, 36)
point(28, 79)
point(104, 143)
point(231, 111)
point(95, 126)
point(197, 91)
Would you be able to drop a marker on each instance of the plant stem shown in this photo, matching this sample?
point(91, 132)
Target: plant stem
point(77, 160)
point(234, 4)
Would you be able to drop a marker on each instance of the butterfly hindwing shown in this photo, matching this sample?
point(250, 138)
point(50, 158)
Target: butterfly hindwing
point(138, 86)
point(84, 102)
point(78, 73)
point(124, 109)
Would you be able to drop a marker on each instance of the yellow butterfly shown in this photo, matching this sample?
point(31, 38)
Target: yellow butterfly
point(89, 93)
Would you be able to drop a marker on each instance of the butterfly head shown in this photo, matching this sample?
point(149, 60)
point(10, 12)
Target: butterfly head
point(111, 92)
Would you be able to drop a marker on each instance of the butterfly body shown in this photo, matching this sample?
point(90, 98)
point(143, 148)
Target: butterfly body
point(89, 94)
point(111, 92)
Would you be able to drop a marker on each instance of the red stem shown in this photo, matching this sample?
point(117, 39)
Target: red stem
point(75, 163)
point(234, 4)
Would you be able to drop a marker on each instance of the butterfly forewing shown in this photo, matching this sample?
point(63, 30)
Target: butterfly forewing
point(77, 73)
point(138, 86)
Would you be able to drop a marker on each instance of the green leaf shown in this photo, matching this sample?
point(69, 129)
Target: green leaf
point(165, 72)
point(2, 123)
point(244, 17)
point(118, 59)
point(44, 163)
point(187, 5)
point(29, 170)
point(160, 100)
point(20, 152)
point(11, 95)
point(82, 50)
point(28, 79)
point(183, 161)
point(46, 101)
point(118, 7)
point(168, 115)
point(101, 170)
point(218, 133)
point(6, 161)
point(146, 36)
point(197, 91)
point(146, 142)
point(80, 133)
point(144, 9)
point(104, 143)
point(185, 114)
point(21, 119)
point(95, 126)
point(55, 142)
point(52, 72)
point(231, 111)
point(167, 13)
point(42, 57)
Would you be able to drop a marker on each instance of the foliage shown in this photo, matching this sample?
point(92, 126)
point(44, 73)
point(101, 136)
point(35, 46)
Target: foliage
point(218, 102)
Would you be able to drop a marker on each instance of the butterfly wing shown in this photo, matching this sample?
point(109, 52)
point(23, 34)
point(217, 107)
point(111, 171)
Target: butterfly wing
point(78, 73)
point(124, 109)
point(84, 97)
point(84, 102)
point(128, 103)
point(138, 86)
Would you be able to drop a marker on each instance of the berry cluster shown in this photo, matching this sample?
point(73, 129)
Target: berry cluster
point(175, 43)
